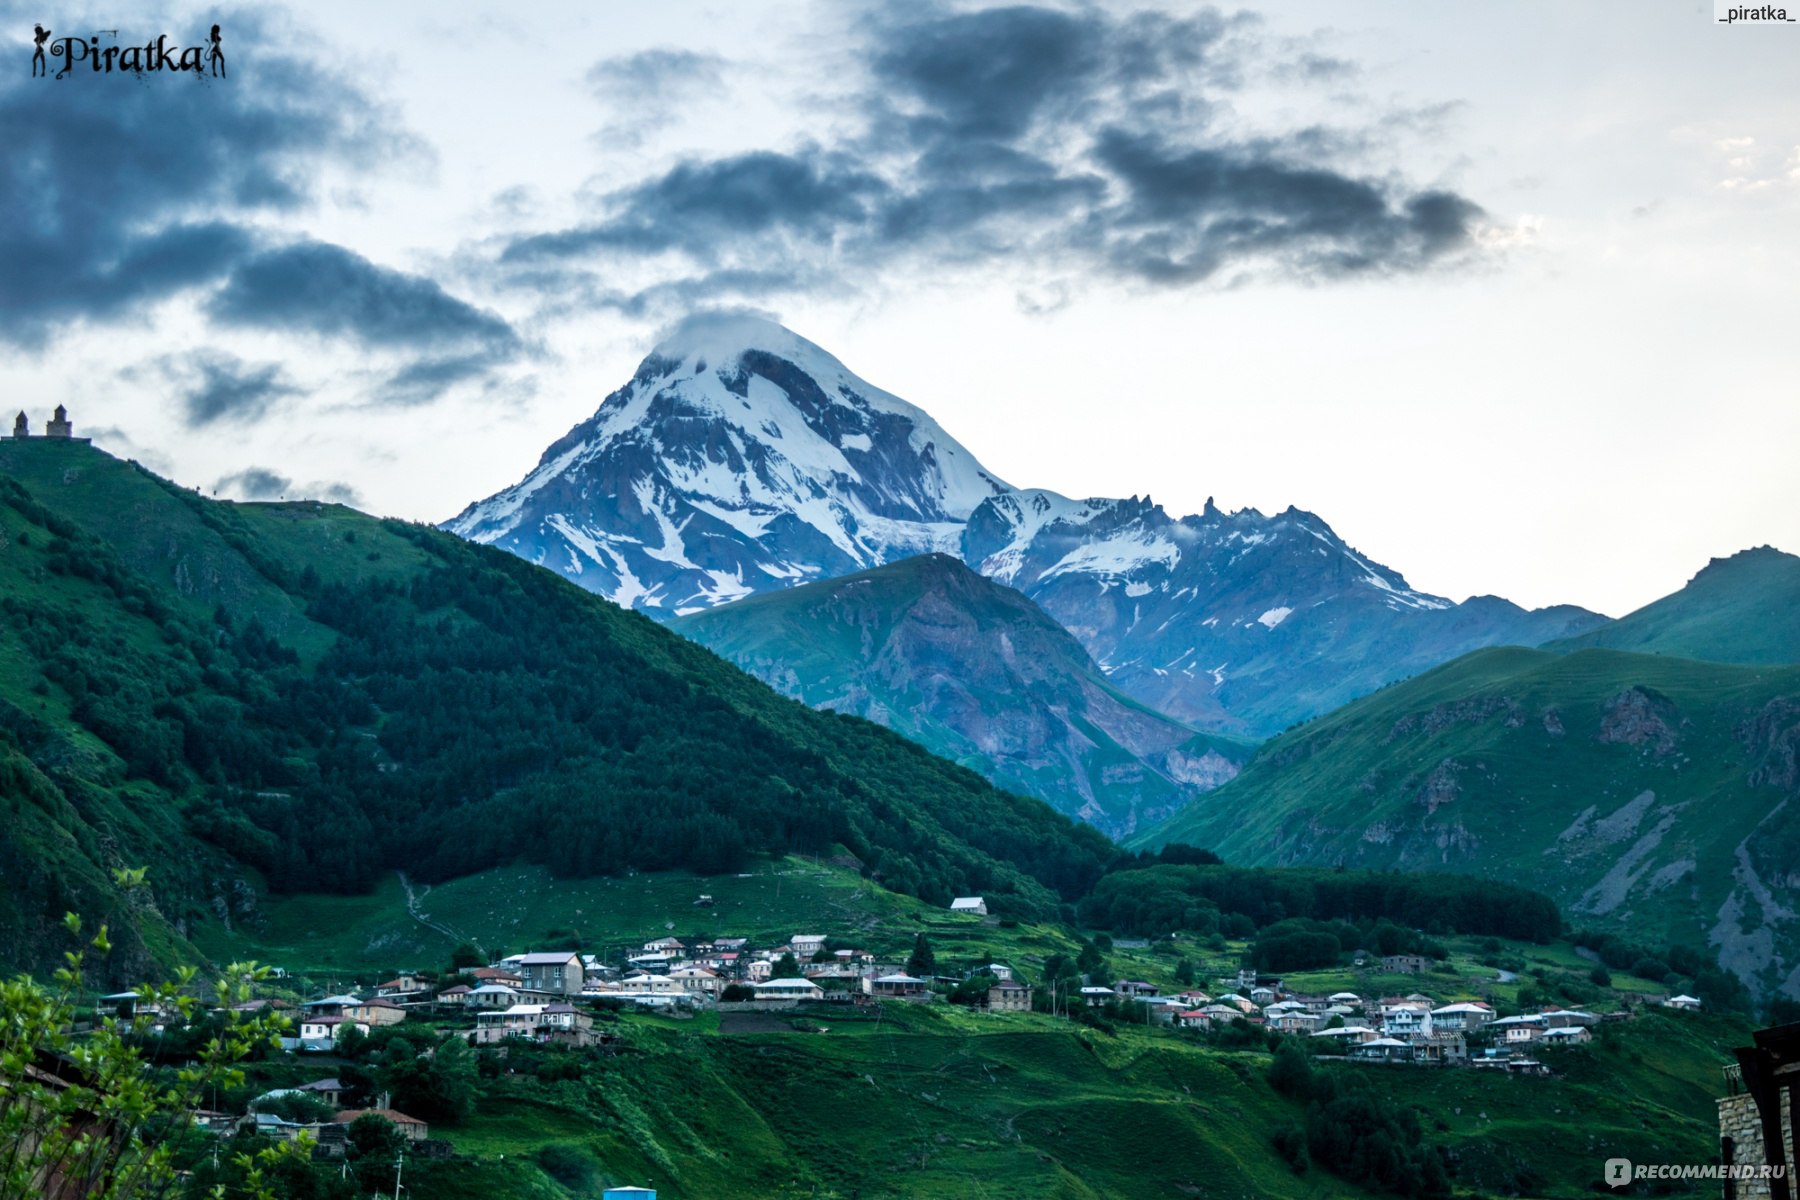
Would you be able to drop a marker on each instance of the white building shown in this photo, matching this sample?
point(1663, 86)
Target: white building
point(1521, 1030)
point(492, 995)
point(1406, 1020)
point(1462, 1018)
point(325, 1028)
point(1385, 1049)
point(789, 989)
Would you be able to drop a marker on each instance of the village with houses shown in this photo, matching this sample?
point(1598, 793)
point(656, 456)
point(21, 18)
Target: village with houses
point(572, 999)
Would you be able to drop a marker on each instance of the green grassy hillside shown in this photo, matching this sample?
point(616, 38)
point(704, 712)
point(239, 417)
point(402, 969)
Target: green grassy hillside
point(305, 697)
point(977, 673)
point(1743, 609)
point(522, 907)
point(1644, 793)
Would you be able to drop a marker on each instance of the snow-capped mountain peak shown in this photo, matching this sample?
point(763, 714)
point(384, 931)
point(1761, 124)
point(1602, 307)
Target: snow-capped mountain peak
point(740, 457)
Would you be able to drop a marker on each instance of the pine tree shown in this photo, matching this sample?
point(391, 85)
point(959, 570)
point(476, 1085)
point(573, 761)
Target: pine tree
point(923, 962)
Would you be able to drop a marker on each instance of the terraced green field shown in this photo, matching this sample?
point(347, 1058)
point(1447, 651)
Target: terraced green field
point(914, 1102)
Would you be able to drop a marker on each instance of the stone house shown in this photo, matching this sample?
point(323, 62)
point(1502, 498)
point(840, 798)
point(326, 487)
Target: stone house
point(1009, 996)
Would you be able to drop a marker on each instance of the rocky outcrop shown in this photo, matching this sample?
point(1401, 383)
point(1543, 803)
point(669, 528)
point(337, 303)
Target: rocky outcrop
point(1460, 712)
point(1773, 739)
point(1440, 787)
point(1642, 717)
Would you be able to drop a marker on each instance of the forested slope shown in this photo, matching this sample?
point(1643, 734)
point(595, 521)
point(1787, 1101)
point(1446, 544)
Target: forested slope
point(305, 693)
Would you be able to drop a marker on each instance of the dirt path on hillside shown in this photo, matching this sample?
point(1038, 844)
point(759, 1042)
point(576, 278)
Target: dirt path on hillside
point(412, 910)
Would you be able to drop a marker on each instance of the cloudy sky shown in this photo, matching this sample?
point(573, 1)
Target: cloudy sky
point(1507, 296)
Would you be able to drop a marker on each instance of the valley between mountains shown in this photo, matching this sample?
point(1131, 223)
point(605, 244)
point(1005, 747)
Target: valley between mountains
point(945, 715)
point(1245, 682)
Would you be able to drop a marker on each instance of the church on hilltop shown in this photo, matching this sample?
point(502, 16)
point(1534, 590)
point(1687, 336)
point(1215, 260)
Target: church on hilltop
point(58, 426)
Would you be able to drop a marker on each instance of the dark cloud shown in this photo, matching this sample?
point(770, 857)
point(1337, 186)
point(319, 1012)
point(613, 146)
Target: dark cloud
point(514, 202)
point(117, 191)
point(328, 291)
point(701, 206)
point(118, 442)
point(261, 483)
point(216, 386)
point(319, 288)
point(425, 379)
point(1028, 136)
point(990, 74)
point(1186, 213)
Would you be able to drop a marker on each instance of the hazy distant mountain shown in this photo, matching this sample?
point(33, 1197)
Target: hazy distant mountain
point(743, 459)
point(977, 673)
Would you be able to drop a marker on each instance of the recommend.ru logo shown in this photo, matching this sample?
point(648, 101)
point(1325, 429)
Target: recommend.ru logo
point(1622, 1172)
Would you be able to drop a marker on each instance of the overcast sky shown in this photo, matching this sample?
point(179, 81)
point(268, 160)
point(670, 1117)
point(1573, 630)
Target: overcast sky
point(1505, 294)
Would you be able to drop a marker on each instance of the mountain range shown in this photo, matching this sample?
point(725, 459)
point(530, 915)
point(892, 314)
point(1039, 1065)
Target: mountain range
point(742, 459)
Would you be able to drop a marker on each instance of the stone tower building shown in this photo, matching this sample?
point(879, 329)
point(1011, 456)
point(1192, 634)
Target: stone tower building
point(21, 426)
point(59, 426)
